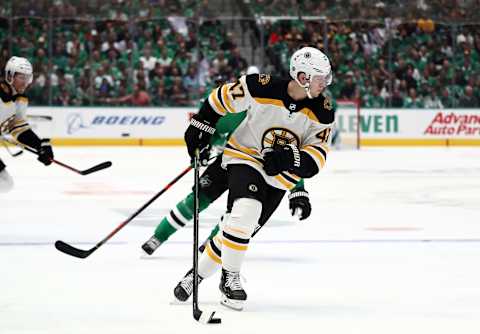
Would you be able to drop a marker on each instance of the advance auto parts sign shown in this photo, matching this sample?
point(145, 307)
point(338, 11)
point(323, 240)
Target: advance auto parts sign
point(464, 124)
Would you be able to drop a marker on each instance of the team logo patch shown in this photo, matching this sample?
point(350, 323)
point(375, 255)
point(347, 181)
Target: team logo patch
point(327, 104)
point(253, 188)
point(264, 79)
point(278, 137)
point(205, 181)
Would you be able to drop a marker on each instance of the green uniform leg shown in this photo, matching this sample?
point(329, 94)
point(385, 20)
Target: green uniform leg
point(214, 232)
point(179, 216)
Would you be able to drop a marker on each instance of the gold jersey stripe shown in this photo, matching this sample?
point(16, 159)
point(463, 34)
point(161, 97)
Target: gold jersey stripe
point(235, 246)
point(240, 155)
point(17, 127)
point(212, 255)
point(293, 176)
point(217, 106)
point(315, 155)
point(325, 147)
point(225, 99)
point(318, 148)
point(232, 141)
point(289, 185)
point(310, 114)
point(262, 100)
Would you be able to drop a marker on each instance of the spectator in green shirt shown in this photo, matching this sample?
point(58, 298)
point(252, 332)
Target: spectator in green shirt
point(412, 100)
point(374, 100)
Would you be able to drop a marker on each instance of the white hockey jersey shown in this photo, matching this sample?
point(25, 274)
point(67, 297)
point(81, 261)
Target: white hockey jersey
point(12, 111)
point(273, 118)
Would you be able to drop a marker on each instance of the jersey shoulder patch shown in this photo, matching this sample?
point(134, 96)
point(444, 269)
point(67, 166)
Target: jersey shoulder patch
point(264, 86)
point(5, 92)
point(322, 108)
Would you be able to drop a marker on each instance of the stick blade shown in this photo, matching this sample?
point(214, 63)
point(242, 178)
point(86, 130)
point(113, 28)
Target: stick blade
point(206, 317)
point(72, 251)
point(97, 168)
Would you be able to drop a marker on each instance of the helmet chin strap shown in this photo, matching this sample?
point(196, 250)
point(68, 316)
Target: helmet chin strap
point(307, 90)
point(306, 86)
point(14, 91)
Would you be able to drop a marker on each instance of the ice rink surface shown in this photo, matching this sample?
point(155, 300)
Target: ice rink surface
point(392, 246)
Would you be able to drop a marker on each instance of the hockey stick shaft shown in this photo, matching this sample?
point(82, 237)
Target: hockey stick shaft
point(199, 315)
point(90, 170)
point(196, 212)
point(70, 250)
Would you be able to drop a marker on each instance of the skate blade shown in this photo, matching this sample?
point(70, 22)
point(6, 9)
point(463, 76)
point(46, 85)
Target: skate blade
point(236, 305)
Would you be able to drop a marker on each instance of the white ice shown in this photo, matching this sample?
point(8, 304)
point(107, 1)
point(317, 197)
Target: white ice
point(392, 246)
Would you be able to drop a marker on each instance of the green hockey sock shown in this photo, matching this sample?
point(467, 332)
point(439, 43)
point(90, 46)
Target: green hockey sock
point(179, 216)
point(214, 232)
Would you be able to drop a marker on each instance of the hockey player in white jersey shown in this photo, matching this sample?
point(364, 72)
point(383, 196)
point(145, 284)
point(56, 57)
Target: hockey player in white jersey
point(13, 106)
point(285, 137)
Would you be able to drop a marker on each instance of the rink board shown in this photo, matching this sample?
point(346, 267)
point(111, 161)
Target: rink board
point(165, 126)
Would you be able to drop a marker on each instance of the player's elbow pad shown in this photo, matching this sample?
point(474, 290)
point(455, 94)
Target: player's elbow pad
point(308, 167)
point(207, 113)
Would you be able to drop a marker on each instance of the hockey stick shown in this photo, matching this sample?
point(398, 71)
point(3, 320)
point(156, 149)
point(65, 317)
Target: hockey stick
point(296, 215)
point(199, 315)
point(90, 170)
point(13, 154)
point(70, 250)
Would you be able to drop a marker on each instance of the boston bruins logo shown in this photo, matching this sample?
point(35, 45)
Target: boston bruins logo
point(277, 137)
point(264, 79)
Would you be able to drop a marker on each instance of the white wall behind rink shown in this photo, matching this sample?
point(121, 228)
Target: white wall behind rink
point(165, 126)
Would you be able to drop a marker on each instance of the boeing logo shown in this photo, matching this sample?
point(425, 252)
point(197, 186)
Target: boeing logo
point(128, 120)
point(75, 122)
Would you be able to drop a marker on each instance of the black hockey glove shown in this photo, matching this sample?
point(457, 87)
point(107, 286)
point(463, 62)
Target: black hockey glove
point(45, 152)
point(299, 200)
point(281, 159)
point(198, 136)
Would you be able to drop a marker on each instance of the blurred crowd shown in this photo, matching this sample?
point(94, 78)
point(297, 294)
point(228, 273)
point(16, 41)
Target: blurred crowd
point(172, 52)
point(410, 65)
point(455, 11)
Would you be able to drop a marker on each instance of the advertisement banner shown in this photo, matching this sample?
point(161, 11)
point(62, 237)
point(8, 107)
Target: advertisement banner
point(412, 123)
point(114, 122)
point(166, 126)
